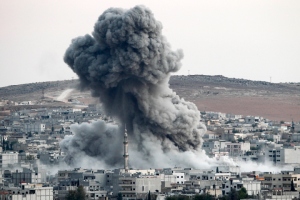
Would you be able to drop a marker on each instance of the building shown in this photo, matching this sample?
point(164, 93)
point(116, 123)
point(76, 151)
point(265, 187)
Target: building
point(137, 186)
point(34, 128)
point(280, 156)
point(29, 192)
point(281, 181)
point(8, 159)
point(237, 149)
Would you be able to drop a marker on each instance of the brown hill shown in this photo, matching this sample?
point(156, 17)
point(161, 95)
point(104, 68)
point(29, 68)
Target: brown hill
point(209, 93)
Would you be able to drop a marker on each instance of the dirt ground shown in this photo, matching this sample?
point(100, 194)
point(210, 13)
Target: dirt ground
point(273, 108)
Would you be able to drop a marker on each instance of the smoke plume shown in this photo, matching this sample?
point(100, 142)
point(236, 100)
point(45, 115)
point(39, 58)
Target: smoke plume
point(127, 64)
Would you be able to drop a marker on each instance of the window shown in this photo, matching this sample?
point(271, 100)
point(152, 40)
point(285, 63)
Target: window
point(181, 176)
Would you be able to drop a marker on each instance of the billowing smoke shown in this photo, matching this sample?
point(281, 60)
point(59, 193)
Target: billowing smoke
point(127, 64)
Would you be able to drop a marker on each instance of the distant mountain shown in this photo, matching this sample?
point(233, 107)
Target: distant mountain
point(211, 93)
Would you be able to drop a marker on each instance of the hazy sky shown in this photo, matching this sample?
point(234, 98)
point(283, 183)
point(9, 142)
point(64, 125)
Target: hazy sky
point(255, 39)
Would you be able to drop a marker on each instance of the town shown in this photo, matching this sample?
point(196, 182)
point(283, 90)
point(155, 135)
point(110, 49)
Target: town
point(32, 161)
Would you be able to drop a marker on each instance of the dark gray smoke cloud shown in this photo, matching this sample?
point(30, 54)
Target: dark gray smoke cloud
point(127, 63)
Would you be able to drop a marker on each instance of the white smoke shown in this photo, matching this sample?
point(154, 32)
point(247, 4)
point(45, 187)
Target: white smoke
point(100, 145)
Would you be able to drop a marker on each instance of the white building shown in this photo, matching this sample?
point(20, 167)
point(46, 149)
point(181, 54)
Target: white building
point(281, 155)
point(253, 187)
point(7, 159)
point(137, 187)
point(237, 149)
point(31, 192)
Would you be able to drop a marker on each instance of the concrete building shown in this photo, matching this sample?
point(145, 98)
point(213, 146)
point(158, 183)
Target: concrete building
point(26, 176)
point(8, 159)
point(237, 149)
point(34, 127)
point(137, 186)
point(252, 186)
point(280, 155)
point(281, 180)
point(28, 192)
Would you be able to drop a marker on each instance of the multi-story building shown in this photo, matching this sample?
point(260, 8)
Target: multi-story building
point(237, 149)
point(252, 186)
point(28, 192)
point(8, 159)
point(34, 127)
point(282, 181)
point(137, 186)
point(280, 155)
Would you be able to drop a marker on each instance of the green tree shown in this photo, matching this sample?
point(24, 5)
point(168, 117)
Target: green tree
point(233, 195)
point(119, 197)
point(242, 193)
point(78, 194)
point(292, 186)
point(178, 197)
point(30, 157)
point(71, 195)
point(205, 196)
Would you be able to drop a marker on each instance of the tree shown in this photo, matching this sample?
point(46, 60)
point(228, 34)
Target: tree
point(233, 195)
point(71, 195)
point(205, 196)
point(119, 197)
point(242, 193)
point(78, 194)
point(178, 197)
point(292, 186)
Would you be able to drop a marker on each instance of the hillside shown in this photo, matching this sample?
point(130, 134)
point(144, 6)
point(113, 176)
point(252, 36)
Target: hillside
point(210, 93)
